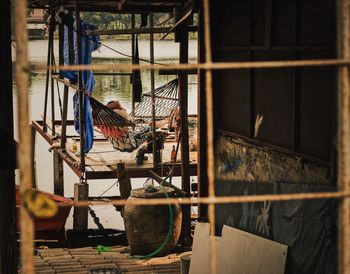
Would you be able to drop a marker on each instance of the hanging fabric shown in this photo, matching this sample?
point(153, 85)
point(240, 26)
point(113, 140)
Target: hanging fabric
point(89, 43)
point(136, 74)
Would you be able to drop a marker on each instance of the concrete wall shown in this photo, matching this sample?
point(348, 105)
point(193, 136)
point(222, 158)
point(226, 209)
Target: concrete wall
point(238, 160)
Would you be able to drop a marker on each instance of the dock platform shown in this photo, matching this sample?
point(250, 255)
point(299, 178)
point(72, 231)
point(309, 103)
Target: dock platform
point(101, 162)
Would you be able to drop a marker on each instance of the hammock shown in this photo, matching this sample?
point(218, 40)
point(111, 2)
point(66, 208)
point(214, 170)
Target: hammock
point(166, 100)
point(124, 134)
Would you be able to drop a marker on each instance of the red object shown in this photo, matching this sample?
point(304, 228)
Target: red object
point(55, 223)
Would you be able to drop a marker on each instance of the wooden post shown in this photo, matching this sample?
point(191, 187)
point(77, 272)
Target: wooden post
point(23, 151)
point(32, 156)
point(48, 62)
point(58, 179)
point(133, 60)
point(344, 135)
point(151, 42)
point(124, 181)
point(8, 245)
point(185, 157)
point(80, 216)
point(66, 88)
point(52, 29)
point(202, 125)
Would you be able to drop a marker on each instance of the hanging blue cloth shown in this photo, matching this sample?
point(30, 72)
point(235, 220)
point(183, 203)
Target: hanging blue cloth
point(89, 43)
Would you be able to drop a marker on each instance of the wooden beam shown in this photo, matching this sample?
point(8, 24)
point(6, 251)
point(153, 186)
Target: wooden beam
point(185, 158)
point(137, 31)
point(176, 72)
point(8, 246)
point(159, 180)
point(58, 178)
point(48, 62)
point(32, 156)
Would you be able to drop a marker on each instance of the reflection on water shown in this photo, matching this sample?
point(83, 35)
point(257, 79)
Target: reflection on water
point(107, 88)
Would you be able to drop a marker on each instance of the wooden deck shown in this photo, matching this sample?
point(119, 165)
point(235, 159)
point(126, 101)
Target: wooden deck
point(101, 161)
point(84, 260)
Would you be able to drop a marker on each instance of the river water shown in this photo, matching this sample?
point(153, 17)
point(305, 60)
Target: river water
point(107, 88)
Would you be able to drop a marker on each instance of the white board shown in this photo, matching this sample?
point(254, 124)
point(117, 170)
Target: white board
point(237, 252)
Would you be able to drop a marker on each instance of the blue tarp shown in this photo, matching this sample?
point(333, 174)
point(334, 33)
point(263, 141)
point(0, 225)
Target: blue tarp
point(89, 43)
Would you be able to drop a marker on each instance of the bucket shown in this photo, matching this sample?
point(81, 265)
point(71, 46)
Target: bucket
point(147, 227)
point(185, 261)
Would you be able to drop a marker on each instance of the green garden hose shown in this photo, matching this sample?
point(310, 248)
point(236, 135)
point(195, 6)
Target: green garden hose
point(171, 225)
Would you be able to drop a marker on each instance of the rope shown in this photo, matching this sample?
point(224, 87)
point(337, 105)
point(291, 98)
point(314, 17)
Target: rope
point(116, 182)
point(95, 218)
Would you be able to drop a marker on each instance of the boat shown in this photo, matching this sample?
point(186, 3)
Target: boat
point(52, 224)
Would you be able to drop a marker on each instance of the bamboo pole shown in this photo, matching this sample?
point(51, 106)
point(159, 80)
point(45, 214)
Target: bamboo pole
point(52, 32)
point(344, 135)
point(210, 136)
point(219, 200)
point(27, 229)
point(203, 66)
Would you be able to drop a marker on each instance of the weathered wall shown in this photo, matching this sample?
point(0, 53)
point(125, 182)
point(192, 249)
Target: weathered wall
point(239, 161)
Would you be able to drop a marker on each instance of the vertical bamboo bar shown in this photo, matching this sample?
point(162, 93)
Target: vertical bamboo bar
point(27, 229)
point(155, 158)
point(344, 135)
point(50, 42)
point(133, 60)
point(52, 29)
point(210, 136)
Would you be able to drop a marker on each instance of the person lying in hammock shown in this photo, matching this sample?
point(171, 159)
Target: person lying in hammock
point(124, 139)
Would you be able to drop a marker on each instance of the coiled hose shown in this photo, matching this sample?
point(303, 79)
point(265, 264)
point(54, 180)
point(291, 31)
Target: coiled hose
point(167, 238)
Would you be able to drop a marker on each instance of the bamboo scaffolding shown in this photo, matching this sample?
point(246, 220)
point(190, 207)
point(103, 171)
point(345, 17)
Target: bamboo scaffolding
point(210, 135)
point(22, 81)
point(203, 66)
point(219, 200)
point(22, 69)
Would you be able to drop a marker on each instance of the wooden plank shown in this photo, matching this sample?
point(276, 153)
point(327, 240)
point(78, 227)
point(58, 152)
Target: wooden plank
point(58, 178)
point(238, 252)
point(241, 252)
